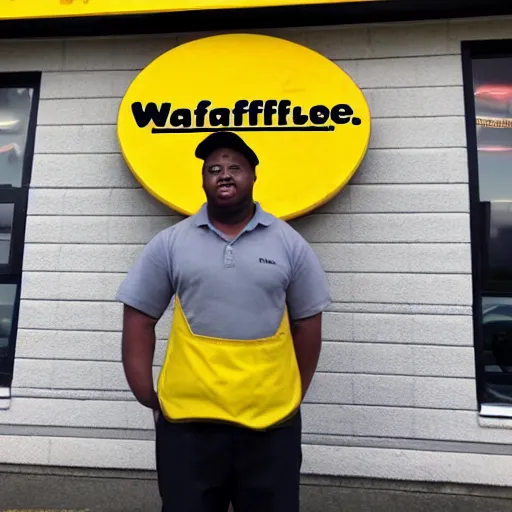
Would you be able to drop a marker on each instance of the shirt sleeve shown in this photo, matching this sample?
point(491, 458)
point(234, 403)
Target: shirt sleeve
point(308, 291)
point(148, 285)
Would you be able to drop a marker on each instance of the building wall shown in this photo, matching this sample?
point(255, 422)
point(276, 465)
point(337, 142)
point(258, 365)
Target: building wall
point(395, 394)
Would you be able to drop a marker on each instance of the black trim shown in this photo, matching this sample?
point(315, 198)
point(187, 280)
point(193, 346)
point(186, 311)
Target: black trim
point(249, 18)
point(483, 286)
point(11, 273)
point(18, 230)
point(496, 288)
point(7, 362)
point(474, 202)
point(23, 80)
point(488, 49)
point(18, 197)
point(32, 80)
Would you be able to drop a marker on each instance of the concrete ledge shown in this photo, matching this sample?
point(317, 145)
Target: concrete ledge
point(25, 487)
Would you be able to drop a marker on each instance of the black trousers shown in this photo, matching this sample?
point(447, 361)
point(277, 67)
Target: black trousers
point(202, 467)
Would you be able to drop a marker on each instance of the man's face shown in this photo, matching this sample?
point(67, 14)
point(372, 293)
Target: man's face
point(228, 178)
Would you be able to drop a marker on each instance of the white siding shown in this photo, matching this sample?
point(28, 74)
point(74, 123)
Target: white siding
point(397, 236)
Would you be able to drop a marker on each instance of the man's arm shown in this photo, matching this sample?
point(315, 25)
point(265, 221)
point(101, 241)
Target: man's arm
point(307, 296)
point(307, 340)
point(138, 349)
point(146, 292)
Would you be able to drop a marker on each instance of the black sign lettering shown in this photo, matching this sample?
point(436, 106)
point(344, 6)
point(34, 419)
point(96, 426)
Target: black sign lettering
point(143, 116)
point(181, 117)
point(340, 114)
point(245, 115)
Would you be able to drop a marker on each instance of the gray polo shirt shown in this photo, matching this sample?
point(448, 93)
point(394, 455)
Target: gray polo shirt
point(232, 289)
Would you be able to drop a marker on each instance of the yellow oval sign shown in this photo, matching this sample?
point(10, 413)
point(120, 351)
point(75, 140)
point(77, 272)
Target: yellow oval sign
point(305, 118)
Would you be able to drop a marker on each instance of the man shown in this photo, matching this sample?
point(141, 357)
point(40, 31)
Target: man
point(244, 345)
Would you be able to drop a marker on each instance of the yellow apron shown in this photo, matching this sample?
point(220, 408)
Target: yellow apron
point(254, 383)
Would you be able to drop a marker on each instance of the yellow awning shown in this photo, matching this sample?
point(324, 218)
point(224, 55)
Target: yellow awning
point(24, 9)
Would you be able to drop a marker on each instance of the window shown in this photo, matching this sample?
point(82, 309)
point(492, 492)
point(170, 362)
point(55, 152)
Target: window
point(19, 96)
point(487, 68)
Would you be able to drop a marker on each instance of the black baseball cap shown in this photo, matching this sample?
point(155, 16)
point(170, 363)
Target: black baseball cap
point(225, 140)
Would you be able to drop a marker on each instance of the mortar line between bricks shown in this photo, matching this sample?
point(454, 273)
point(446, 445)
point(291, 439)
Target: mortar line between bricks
point(319, 372)
point(348, 312)
point(104, 399)
point(391, 438)
point(126, 395)
point(135, 215)
point(321, 404)
point(403, 184)
point(364, 89)
point(326, 439)
point(429, 55)
point(108, 96)
point(142, 244)
point(349, 185)
point(397, 148)
point(375, 118)
point(343, 272)
point(114, 125)
point(311, 215)
point(118, 153)
point(333, 59)
point(362, 372)
point(325, 339)
point(408, 304)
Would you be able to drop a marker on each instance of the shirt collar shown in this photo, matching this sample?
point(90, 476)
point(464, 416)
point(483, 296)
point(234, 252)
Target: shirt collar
point(260, 217)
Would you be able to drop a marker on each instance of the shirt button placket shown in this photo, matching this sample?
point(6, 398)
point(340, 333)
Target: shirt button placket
point(229, 260)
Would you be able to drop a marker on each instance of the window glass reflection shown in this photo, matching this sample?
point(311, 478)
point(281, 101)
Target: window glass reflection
point(496, 223)
point(15, 106)
point(497, 338)
point(7, 300)
point(6, 219)
point(493, 108)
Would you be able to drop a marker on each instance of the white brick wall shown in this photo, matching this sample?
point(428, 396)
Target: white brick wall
point(397, 235)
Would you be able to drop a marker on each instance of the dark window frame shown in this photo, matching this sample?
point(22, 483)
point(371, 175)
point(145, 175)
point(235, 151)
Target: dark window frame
point(11, 272)
point(472, 50)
